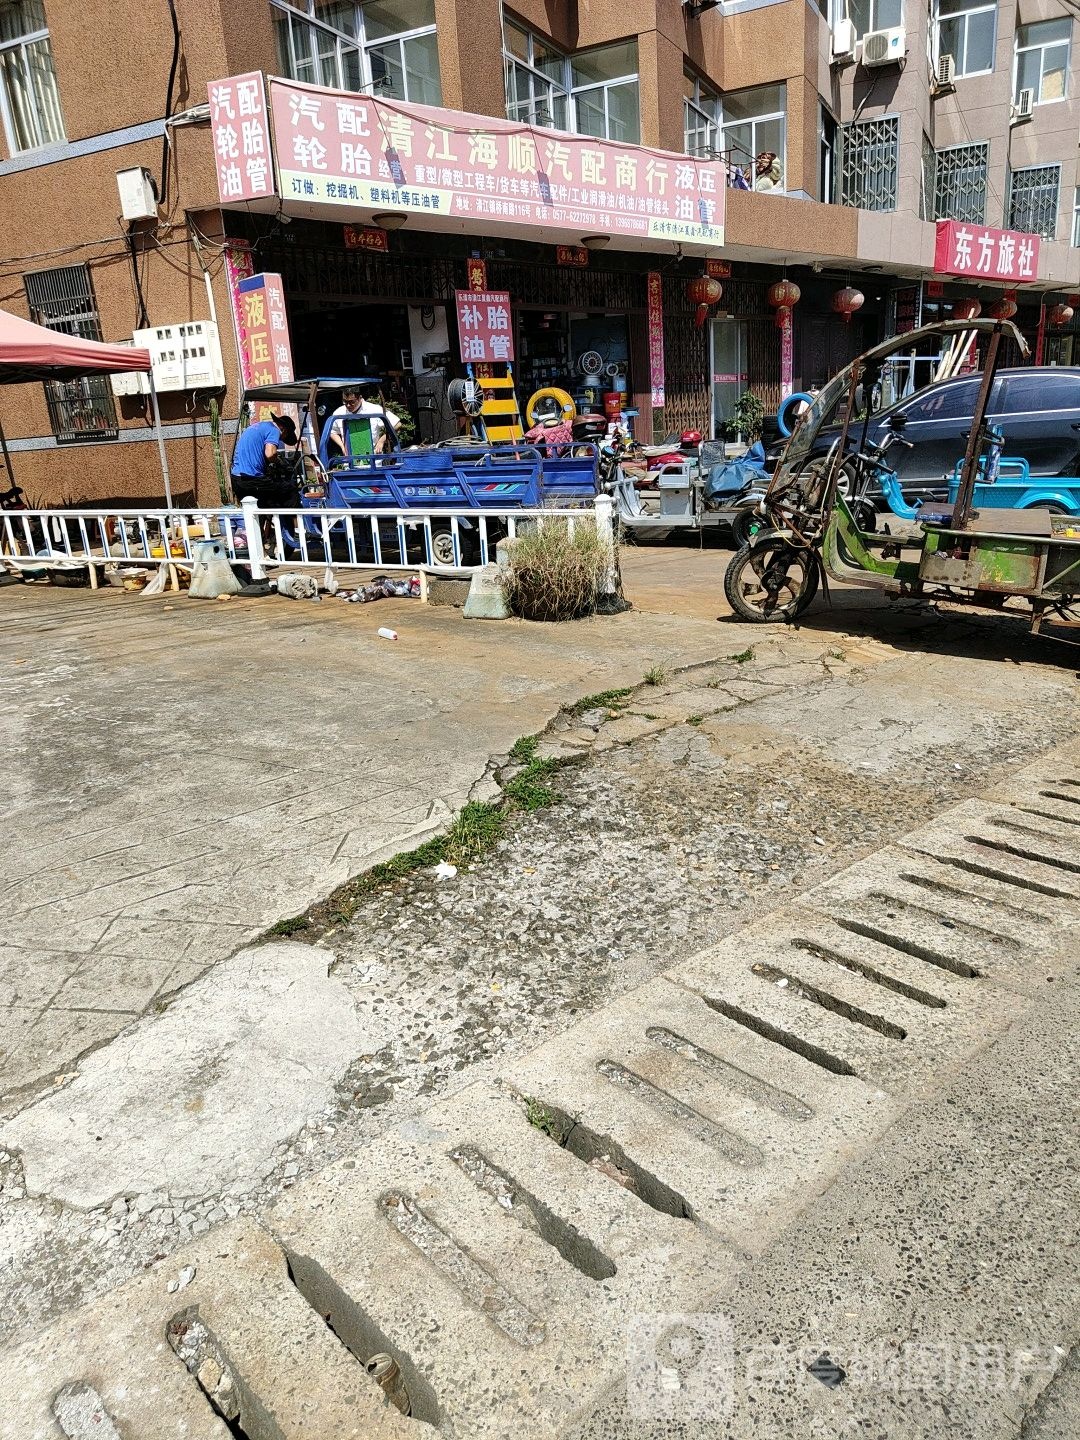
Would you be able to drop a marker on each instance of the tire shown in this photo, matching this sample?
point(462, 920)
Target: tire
point(442, 548)
point(761, 573)
point(1051, 507)
point(746, 527)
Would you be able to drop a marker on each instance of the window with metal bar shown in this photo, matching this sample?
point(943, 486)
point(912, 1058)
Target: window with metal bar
point(1033, 200)
point(870, 165)
point(29, 101)
point(79, 410)
point(960, 183)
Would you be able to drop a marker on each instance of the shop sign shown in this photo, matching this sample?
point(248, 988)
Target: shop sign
point(483, 321)
point(935, 289)
point(980, 250)
point(572, 255)
point(476, 270)
point(366, 237)
point(718, 269)
point(907, 309)
point(655, 308)
point(266, 352)
point(787, 358)
point(239, 265)
point(240, 127)
point(339, 148)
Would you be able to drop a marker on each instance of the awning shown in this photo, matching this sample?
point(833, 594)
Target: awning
point(296, 392)
point(32, 352)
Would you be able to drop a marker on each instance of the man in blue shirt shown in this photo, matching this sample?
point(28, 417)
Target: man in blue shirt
point(252, 462)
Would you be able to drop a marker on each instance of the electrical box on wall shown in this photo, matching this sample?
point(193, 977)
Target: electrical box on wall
point(138, 194)
point(184, 357)
point(130, 382)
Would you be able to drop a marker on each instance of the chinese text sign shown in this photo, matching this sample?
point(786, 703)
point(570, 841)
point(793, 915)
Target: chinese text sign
point(265, 351)
point(240, 128)
point(982, 252)
point(655, 307)
point(483, 321)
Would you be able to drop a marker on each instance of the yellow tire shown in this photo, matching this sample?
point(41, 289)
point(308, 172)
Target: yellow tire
point(551, 392)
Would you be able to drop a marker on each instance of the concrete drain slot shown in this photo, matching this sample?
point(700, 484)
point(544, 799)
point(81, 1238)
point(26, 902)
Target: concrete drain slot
point(1002, 876)
point(895, 906)
point(942, 887)
point(795, 1043)
point(80, 1412)
point(466, 1274)
point(758, 1091)
point(906, 947)
point(1060, 819)
point(605, 1156)
point(194, 1344)
point(707, 1131)
point(1022, 854)
point(1056, 795)
point(806, 991)
point(1017, 827)
point(869, 972)
point(388, 1365)
point(575, 1248)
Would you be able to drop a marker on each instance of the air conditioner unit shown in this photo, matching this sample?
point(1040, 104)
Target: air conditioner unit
point(1025, 103)
point(946, 69)
point(184, 357)
point(883, 47)
point(843, 41)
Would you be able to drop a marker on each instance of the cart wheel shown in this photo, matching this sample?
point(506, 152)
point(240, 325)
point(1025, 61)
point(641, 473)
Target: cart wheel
point(770, 580)
point(442, 548)
point(747, 526)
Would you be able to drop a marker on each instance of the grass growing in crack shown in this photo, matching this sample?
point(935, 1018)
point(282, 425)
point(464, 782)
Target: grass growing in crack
point(543, 1119)
point(743, 656)
point(694, 719)
point(835, 655)
point(476, 828)
point(528, 791)
point(656, 676)
point(603, 700)
point(524, 749)
point(289, 926)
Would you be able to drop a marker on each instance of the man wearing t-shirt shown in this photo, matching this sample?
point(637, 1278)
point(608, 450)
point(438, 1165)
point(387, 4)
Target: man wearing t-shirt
point(252, 467)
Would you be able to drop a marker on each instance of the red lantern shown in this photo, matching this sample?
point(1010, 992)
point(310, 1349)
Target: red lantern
point(966, 310)
point(1060, 315)
point(846, 301)
point(782, 297)
point(703, 292)
point(1003, 309)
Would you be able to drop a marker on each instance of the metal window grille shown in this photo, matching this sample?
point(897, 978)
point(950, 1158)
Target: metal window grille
point(1033, 200)
point(960, 183)
point(64, 300)
point(870, 168)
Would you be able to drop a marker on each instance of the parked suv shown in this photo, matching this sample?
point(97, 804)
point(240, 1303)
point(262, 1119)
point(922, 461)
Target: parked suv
point(1038, 408)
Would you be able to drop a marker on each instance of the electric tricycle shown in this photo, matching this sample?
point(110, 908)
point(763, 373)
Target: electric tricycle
point(964, 552)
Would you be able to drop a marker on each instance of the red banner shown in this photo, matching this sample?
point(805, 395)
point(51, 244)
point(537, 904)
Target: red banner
point(979, 251)
point(241, 130)
point(484, 330)
point(655, 304)
point(718, 269)
point(339, 148)
point(366, 237)
point(266, 352)
point(476, 269)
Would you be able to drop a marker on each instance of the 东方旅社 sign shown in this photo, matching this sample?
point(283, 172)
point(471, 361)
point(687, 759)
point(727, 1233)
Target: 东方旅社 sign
point(982, 253)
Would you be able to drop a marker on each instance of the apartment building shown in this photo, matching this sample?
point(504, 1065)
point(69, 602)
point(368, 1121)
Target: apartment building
point(889, 158)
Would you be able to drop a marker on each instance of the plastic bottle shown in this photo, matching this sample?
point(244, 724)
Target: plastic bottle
point(388, 634)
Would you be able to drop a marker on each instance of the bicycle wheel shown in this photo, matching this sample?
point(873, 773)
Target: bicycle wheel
point(771, 580)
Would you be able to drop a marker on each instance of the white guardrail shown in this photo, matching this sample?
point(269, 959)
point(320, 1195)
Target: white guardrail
point(449, 540)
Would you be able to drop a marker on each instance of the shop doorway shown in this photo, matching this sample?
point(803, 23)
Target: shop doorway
point(585, 354)
point(351, 340)
point(728, 367)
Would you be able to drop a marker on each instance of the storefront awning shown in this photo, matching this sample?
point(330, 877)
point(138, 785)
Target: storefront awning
point(335, 155)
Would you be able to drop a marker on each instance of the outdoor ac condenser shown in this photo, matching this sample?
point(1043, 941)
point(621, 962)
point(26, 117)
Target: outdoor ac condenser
point(184, 357)
point(946, 69)
point(883, 47)
point(1025, 103)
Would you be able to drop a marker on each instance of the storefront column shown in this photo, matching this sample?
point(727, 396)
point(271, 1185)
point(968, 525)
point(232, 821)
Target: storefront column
point(660, 75)
point(470, 56)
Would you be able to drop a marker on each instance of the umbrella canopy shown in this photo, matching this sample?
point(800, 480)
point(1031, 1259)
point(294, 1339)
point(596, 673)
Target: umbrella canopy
point(31, 352)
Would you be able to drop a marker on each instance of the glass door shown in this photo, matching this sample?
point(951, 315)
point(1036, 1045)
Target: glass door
point(728, 368)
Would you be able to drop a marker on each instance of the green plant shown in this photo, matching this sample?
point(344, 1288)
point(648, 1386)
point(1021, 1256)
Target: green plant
point(835, 655)
point(746, 418)
point(528, 791)
point(603, 700)
point(524, 749)
point(289, 926)
point(743, 656)
point(656, 676)
point(694, 719)
point(554, 572)
point(406, 430)
point(476, 828)
point(541, 1118)
point(219, 456)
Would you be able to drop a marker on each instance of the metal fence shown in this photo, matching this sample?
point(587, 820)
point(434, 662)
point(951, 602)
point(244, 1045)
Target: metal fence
point(261, 540)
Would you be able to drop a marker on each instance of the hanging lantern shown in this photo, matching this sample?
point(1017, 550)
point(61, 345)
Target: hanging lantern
point(1003, 309)
point(966, 310)
point(846, 301)
point(1060, 315)
point(703, 292)
point(783, 296)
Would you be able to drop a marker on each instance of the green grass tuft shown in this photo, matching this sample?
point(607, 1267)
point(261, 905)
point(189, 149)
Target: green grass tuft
point(529, 791)
point(604, 700)
point(524, 748)
point(289, 926)
point(543, 1119)
point(694, 719)
point(656, 676)
point(743, 656)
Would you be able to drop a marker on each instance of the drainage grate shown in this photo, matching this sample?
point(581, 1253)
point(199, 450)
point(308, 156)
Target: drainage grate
point(869, 972)
point(795, 1043)
point(707, 1131)
point(758, 1091)
point(805, 990)
point(942, 887)
point(905, 947)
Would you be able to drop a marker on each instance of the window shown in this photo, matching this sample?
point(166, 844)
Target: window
point(1076, 216)
point(536, 79)
point(1028, 394)
point(875, 15)
point(870, 163)
point(605, 92)
point(948, 403)
point(1042, 59)
point(29, 100)
point(385, 46)
point(754, 134)
point(966, 30)
point(960, 183)
point(64, 300)
point(829, 173)
point(1033, 200)
point(702, 117)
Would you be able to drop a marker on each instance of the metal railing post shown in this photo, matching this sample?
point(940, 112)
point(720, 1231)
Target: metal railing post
point(253, 535)
point(605, 529)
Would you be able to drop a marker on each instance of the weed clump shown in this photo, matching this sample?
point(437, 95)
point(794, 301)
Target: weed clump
point(555, 570)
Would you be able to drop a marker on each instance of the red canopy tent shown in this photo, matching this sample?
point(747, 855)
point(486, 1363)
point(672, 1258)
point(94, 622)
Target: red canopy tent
point(33, 352)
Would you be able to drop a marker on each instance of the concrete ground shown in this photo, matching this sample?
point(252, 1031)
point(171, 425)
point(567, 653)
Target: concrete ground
point(700, 802)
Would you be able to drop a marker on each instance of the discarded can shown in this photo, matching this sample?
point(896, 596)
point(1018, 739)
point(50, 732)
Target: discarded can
point(388, 634)
point(383, 1369)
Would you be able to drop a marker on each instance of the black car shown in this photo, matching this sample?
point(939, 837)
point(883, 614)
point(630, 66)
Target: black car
point(1038, 408)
